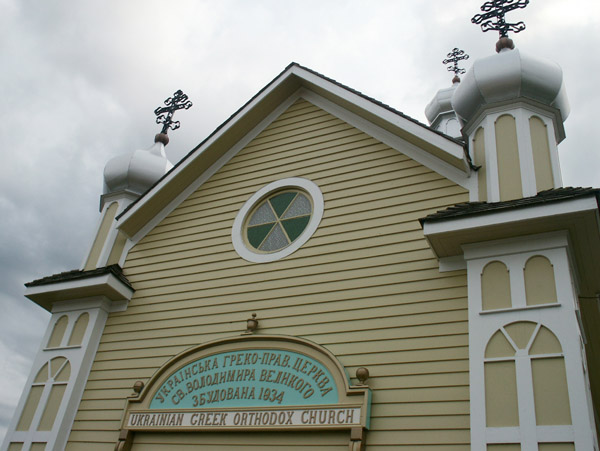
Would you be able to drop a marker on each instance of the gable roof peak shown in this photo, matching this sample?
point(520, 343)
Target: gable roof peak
point(294, 81)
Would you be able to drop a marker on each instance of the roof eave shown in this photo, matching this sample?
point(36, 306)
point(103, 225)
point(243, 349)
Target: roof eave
point(108, 283)
point(256, 109)
point(578, 216)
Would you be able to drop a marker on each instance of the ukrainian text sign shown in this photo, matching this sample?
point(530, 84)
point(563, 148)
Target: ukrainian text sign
point(247, 378)
point(249, 382)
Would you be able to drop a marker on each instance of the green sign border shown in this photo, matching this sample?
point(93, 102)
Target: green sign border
point(356, 396)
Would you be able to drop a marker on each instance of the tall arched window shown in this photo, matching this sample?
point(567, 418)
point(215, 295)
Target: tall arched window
point(79, 329)
point(495, 286)
point(45, 396)
point(540, 285)
point(58, 332)
point(524, 365)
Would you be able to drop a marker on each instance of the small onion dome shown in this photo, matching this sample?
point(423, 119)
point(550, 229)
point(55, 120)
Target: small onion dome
point(506, 76)
point(137, 171)
point(441, 103)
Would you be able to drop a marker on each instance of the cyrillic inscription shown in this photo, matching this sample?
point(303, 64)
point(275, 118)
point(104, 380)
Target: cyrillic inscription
point(249, 378)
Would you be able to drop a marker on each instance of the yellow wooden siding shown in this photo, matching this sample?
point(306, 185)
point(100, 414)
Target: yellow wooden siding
point(366, 286)
point(256, 441)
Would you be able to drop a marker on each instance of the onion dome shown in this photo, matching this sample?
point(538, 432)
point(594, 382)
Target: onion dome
point(507, 76)
point(440, 114)
point(439, 111)
point(441, 103)
point(137, 171)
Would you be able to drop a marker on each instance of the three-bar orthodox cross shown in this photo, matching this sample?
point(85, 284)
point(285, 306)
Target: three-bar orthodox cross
point(497, 9)
point(165, 113)
point(453, 58)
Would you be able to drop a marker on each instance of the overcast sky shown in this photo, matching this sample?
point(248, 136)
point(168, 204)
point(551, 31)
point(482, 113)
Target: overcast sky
point(79, 82)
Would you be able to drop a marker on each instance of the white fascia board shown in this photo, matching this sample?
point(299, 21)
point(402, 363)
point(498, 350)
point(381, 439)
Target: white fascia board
point(454, 263)
point(517, 214)
point(420, 131)
point(209, 142)
point(394, 141)
point(208, 173)
point(452, 148)
point(105, 284)
point(517, 245)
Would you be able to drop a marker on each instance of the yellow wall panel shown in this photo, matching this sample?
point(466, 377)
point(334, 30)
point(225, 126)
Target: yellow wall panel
point(58, 332)
point(479, 160)
point(540, 285)
point(501, 406)
point(495, 287)
point(504, 447)
point(507, 153)
point(556, 447)
point(541, 154)
point(101, 236)
point(552, 404)
point(366, 286)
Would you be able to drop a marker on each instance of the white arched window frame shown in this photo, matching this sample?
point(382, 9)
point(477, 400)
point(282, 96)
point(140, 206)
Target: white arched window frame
point(527, 432)
point(559, 317)
point(80, 356)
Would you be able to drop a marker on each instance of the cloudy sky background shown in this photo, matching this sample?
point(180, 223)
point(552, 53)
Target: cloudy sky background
point(79, 82)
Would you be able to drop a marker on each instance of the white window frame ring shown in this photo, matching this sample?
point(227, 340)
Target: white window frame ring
point(237, 231)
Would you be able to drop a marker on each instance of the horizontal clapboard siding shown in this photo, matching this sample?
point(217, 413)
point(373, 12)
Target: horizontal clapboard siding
point(366, 286)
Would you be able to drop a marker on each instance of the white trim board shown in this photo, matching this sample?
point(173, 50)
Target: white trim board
point(435, 164)
point(513, 215)
point(305, 77)
point(395, 142)
point(212, 170)
point(315, 219)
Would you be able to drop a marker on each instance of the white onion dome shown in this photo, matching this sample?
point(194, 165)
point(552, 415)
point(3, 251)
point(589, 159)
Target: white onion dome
point(507, 76)
point(137, 171)
point(441, 103)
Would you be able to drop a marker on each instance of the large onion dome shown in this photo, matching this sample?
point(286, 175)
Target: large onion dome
point(507, 76)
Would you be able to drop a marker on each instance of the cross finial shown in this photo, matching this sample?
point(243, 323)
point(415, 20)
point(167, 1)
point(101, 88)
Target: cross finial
point(497, 9)
point(452, 59)
point(165, 113)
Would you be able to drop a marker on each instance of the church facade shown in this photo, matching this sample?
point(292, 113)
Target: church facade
point(323, 272)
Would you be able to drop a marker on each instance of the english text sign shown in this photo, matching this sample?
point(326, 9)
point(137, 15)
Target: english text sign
point(246, 419)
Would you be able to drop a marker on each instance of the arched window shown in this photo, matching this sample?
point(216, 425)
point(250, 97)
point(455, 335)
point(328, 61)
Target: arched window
point(79, 329)
point(495, 286)
point(45, 396)
point(526, 355)
point(58, 332)
point(540, 286)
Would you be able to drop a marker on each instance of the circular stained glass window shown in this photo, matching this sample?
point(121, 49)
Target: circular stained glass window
point(278, 221)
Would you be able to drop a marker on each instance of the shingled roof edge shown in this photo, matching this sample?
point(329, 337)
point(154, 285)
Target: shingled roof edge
point(232, 116)
point(543, 197)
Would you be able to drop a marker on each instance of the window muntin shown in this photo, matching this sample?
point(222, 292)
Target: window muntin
point(265, 231)
point(278, 221)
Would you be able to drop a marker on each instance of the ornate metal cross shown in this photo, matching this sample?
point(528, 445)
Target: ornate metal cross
point(497, 9)
point(165, 113)
point(453, 58)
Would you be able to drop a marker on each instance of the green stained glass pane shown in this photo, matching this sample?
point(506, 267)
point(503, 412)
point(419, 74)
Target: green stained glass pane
point(257, 234)
point(294, 227)
point(281, 202)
